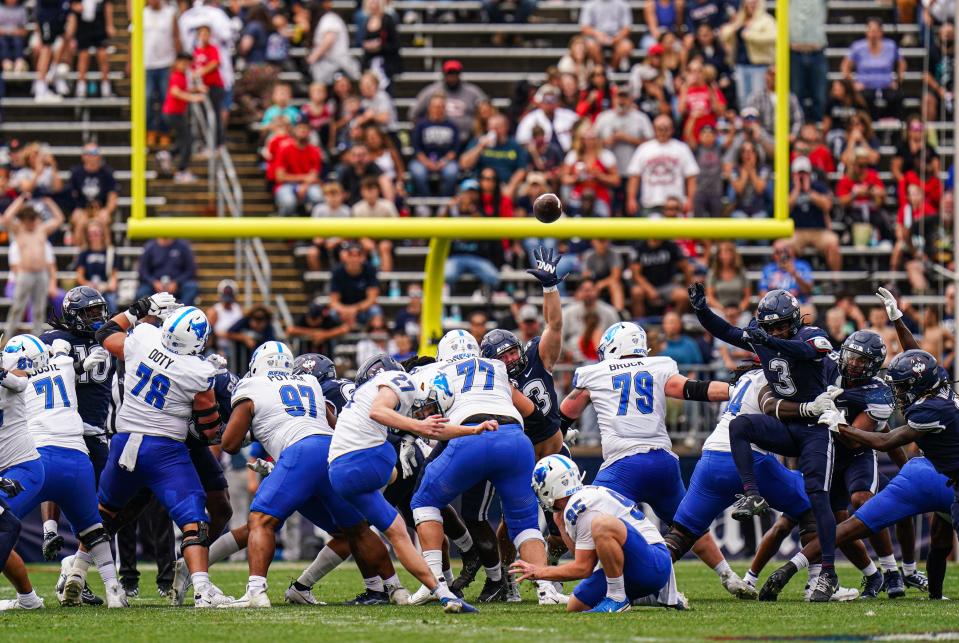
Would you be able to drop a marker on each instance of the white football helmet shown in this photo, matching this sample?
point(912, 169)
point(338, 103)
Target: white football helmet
point(611, 332)
point(25, 353)
point(555, 477)
point(455, 345)
point(271, 357)
point(628, 341)
point(185, 332)
point(434, 393)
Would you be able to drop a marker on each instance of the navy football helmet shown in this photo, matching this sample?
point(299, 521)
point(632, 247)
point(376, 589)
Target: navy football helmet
point(778, 309)
point(84, 310)
point(319, 366)
point(500, 344)
point(861, 356)
point(912, 375)
point(376, 364)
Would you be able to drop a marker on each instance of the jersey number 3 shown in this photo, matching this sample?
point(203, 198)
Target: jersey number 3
point(642, 384)
point(785, 386)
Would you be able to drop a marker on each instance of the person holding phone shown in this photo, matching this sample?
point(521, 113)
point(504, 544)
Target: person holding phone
point(786, 272)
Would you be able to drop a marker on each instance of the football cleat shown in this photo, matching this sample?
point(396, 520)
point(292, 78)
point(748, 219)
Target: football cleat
point(871, 586)
point(512, 587)
point(894, 586)
point(52, 542)
point(748, 506)
point(73, 590)
point(212, 597)
point(133, 591)
point(369, 598)
point(297, 596)
point(398, 594)
point(549, 596)
point(181, 582)
point(916, 580)
point(610, 606)
point(87, 597)
point(494, 591)
point(457, 606)
point(776, 582)
point(826, 585)
point(252, 599)
point(422, 596)
point(15, 604)
point(842, 595)
point(737, 586)
point(116, 597)
point(471, 566)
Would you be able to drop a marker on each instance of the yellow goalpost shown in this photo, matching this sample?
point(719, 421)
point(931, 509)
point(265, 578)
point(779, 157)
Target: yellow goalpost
point(441, 231)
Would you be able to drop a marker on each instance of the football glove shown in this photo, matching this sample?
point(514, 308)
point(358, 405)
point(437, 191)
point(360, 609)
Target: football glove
point(832, 419)
point(757, 335)
point(218, 362)
point(407, 455)
point(825, 401)
point(159, 305)
point(60, 347)
point(571, 436)
point(10, 487)
point(889, 303)
point(263, 467)
point(546, 262)
point(697, 296)
point(97, 356)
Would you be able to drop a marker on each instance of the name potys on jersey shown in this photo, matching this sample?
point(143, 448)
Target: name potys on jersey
point(480, 387)
point(286, 409)
point(743, 400)
point(159, 386)
point(51, 405)
point(355, 430)
point(630, 401)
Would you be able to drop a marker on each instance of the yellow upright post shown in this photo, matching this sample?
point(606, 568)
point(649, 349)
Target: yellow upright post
point(138, 115)
point(781, 169)
point(431, 316)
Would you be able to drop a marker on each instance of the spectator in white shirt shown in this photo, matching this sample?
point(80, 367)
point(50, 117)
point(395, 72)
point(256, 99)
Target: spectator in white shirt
point(661, 168)
point(331, 47)
point(623, 128)
point(607, 25)
point(556, 121)
point(161, 42)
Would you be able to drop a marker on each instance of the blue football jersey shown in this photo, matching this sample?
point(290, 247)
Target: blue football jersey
point(93, 388)
point(338, 392)
point(536, 383)
point(936, 418)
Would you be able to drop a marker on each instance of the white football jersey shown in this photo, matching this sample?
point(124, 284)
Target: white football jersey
point(591, 501)
point(16, 443)
point(630, 401)
point(743, 400)
point(480, 387)
point(286, 409)
point(354, 428)
point(51, 405)
point(158, 386)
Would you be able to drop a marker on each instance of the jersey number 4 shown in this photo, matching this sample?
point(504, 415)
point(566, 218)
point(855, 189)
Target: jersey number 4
point(159, 383)
point(642, 384)
point(292, 398)
point(45, 386)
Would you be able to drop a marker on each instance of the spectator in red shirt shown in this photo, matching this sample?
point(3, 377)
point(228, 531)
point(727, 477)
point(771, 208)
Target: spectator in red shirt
point(700, 103)
point(598, 96)
point(861, 194)
point(927, 180)
point(206, 65)
point(809, 144)
point(175, 111)
point(298, 166)
point(276, 139)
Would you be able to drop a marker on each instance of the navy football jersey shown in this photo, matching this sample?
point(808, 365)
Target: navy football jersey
point(93, 388)
point(223, 385)
point(936, 418)
point(536, 383)
point(337, 393)
point(873, 398)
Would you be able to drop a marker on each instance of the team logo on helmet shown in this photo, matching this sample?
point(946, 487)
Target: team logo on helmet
point(441, 382)
point(199, 328)
point(918, 367)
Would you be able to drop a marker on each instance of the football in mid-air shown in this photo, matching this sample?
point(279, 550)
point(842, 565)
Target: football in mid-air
point(547, 207)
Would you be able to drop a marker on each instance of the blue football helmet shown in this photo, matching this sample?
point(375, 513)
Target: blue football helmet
point(861, 356)
point(84, 310)
point(319, 366)
point(912, 375)
point(778, 308)
point(376, 364)
point(500, 344)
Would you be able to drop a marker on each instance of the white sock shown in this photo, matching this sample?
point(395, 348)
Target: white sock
point(103, 558)
point(28, 600)
point(464, 542)
point(392, 581)
point(870, 569)
point(325, 562)
point(799, 560)
point(442, 591)
point(722, 567)
point(50, 526)
point(814, 571)
point(909, 568)
point(494, 573)
point(888, 563)
point(373, 583)
point(81, 563)
point(751, 578)
point(201, 581)
point(434, 558)
point(256, 583)
point(448, 576)
point(616, 588)
point(223, 547)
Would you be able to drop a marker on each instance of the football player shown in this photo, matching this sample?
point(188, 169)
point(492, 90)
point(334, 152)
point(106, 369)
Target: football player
point(165, 383)
point(600, 526)
point(791, 355)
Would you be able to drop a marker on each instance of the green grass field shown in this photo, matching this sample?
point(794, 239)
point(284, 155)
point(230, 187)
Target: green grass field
point(712, 614)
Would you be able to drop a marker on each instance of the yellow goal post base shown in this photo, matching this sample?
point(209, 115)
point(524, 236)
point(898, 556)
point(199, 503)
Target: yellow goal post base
point(442, 231)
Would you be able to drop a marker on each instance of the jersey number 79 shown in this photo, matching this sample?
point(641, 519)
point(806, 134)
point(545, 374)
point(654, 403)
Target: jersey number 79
point(642, 384)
